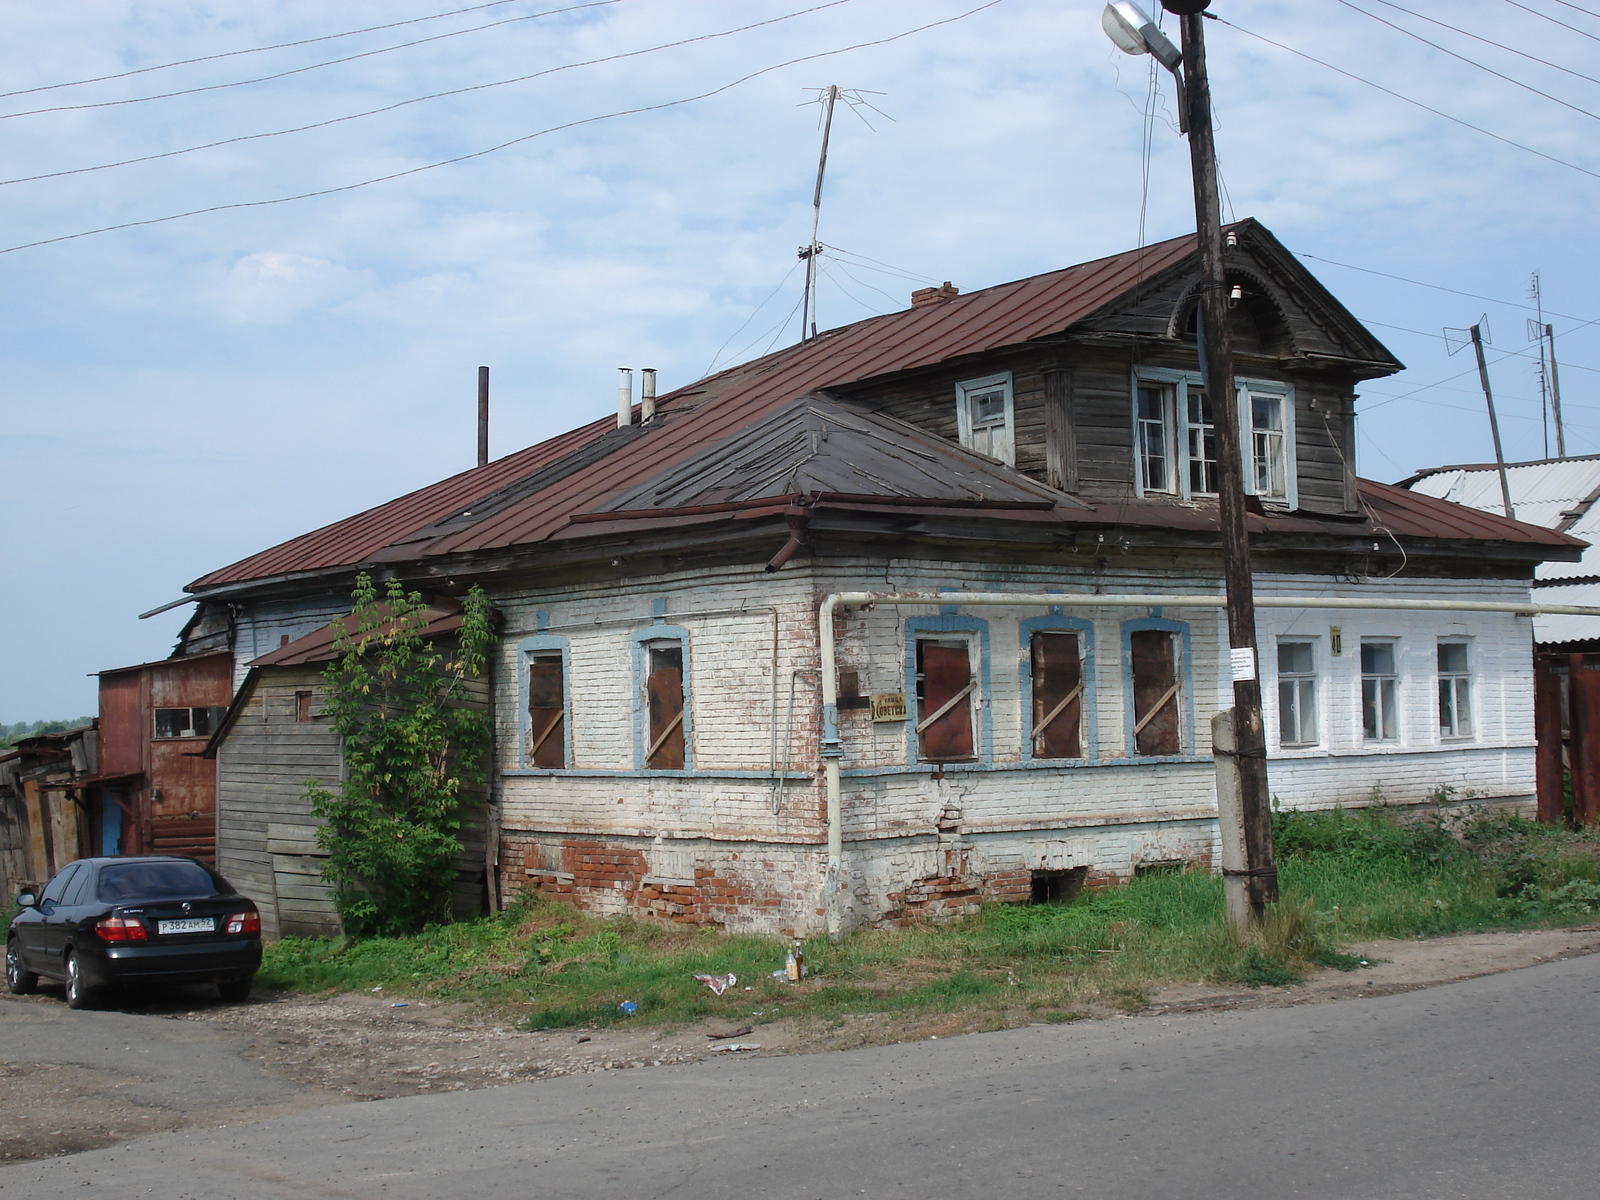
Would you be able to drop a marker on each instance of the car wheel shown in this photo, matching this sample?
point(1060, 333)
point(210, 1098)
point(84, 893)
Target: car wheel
point(79, 993)
point(19, 979)
point(235, 991)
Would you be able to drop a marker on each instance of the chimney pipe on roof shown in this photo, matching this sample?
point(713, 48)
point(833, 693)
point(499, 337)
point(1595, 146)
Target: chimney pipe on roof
point(647, 395)
point(483, 416)
point(934, 295)
point(624, 397)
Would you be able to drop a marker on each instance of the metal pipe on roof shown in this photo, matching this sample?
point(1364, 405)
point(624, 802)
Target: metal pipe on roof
point(624, 397)
point(647, 395)
point(832, 752)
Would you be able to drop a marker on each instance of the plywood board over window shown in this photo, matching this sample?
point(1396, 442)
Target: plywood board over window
point(547, 713)
point(945, 684)
point(664, 698)
point(1157, 685)
point(1057, 664)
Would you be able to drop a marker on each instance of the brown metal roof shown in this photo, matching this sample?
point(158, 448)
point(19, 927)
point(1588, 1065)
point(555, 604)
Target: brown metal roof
point(442, 615)
point(537, 493)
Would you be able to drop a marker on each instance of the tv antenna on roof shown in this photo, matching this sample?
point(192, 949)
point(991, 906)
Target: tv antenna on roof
point(828, 97)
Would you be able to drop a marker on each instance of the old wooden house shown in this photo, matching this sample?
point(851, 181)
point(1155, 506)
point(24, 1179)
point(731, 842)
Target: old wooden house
point(273, 740)
point(41, 828)
point(673, 584)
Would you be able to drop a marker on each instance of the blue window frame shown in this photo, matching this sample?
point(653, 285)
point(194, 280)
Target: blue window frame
point(1159, 697)
point(542, 722)
point(1083, 630)
point(663, 730)
point(949, 626)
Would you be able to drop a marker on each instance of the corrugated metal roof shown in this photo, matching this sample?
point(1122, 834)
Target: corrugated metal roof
point(530, 496)
point(1554, 630)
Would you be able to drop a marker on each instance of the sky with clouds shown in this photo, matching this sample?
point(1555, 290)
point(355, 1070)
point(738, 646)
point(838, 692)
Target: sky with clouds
point(178, 394)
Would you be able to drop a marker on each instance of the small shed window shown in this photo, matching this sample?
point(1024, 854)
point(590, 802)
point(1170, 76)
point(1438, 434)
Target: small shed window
point(305, 706)
point(547, 712)
point(1057, 663)
point(188, 722)
point(1157, 688)
point(984, 418)
point(945, 684)
point(664, 704)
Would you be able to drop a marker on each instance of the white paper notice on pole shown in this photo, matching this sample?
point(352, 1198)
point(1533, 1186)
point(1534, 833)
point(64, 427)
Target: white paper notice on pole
point(1244, 663)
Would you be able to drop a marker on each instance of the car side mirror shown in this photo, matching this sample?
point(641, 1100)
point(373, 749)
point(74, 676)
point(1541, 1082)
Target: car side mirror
point(27, 900)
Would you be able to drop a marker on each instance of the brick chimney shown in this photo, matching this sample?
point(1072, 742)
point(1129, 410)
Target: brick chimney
point(934, 295)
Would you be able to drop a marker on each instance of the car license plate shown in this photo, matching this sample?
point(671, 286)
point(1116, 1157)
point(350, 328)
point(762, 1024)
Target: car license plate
point(188, 925)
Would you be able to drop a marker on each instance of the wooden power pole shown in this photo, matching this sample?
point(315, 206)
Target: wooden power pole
point(1216, 349)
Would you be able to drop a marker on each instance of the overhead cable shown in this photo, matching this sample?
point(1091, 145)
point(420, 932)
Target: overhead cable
point(1560, 162)
point(184, 62)
point(1553, 21)
point(332, 62)
point(1544, 62)
point(626, 112)
point(372, 112)
point(1453, 291)
point(1527, 87)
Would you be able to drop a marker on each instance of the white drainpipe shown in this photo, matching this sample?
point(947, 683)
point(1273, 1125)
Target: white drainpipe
point(832, 751)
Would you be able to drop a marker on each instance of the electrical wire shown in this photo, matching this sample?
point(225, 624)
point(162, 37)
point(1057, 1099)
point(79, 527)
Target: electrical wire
point(1545, 62)
point(1578, 7)
point(626, 112)
point(1440, 337)
point(1527, 87)
point(477, 87)
point(827, 269)
point(895, 305)
point(332, 62)
point(753, 314)
point(327, 37)
point(1560, 162)
point(1440, 288)
point(888, 268)
point(1553, 21)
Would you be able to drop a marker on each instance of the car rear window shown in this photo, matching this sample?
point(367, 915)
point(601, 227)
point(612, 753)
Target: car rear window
point(155, 881)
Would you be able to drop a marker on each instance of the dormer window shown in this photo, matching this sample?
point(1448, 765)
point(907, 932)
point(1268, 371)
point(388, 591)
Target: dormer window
point(984, 419)
point(1175, 436)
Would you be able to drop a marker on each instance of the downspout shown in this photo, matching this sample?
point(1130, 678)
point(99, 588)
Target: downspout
point(832, 752)
point(798, 515)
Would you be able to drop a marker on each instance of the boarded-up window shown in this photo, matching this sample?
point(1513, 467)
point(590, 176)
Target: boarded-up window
point(1156, 688)
point(304, 706)
point(547, 712)
point(664, 699)
point(1057, 696)
point(944, 700)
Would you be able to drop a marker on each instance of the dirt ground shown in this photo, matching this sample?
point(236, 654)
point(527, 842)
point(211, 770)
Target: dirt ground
point(367, 1046)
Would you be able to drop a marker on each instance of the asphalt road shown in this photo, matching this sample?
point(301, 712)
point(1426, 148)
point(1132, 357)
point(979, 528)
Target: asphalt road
point(1486, 1088)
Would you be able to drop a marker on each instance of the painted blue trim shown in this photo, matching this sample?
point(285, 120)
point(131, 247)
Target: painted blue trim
point(1185, 673)
point(1056, 622)
point(659, 632)
point(948, 622)
point(1038, 764)
point(543, 643)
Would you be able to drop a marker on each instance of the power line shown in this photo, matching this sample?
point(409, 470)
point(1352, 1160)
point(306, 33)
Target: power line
point(1560, 162)
point(1553, 21)
point(1440, 337)
point(1578, 7)
point(1486, 41)
point(184, 62)
point(216, 87)
point(627, 112)
point(1470, 62)
point(371, 112)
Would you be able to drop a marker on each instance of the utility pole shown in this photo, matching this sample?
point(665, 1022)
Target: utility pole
point(809, 252)
point(1494, 423)
point(1536, 333)
point(1216, 346)
point(1555, 393)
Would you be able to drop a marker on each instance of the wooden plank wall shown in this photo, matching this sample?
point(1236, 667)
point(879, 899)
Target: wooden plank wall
point(266, 833)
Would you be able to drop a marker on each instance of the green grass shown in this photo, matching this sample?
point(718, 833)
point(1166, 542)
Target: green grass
point(1345, 875)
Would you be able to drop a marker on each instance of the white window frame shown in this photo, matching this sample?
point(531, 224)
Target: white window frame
point(1459, 684)
point(1178, 433)
point(1304, 683)
point(964, 427)
point(1167, 421)
point(1380, 678)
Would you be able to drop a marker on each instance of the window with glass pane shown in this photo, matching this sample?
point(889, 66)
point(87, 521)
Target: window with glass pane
point(1380, 686)
point(1202, 443)
point(985, 417)
point(1455, 691)
point(1297, 694)
point(1155, 438)
point(1269, 452)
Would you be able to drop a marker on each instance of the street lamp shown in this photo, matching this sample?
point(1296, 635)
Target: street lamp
point(1134, 33)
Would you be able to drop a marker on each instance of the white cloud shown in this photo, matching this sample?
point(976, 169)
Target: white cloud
point(270, 287)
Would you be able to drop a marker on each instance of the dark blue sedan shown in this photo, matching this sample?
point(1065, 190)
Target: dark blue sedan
point(106, 921)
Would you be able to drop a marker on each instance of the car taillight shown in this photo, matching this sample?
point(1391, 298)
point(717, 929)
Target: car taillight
point(245, 922)
point(121, 929)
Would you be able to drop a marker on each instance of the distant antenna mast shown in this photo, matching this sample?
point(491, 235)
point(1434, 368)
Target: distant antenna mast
point(809, 252)
point(1455, 339)
point(1555, 393)
point(1536, 333)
